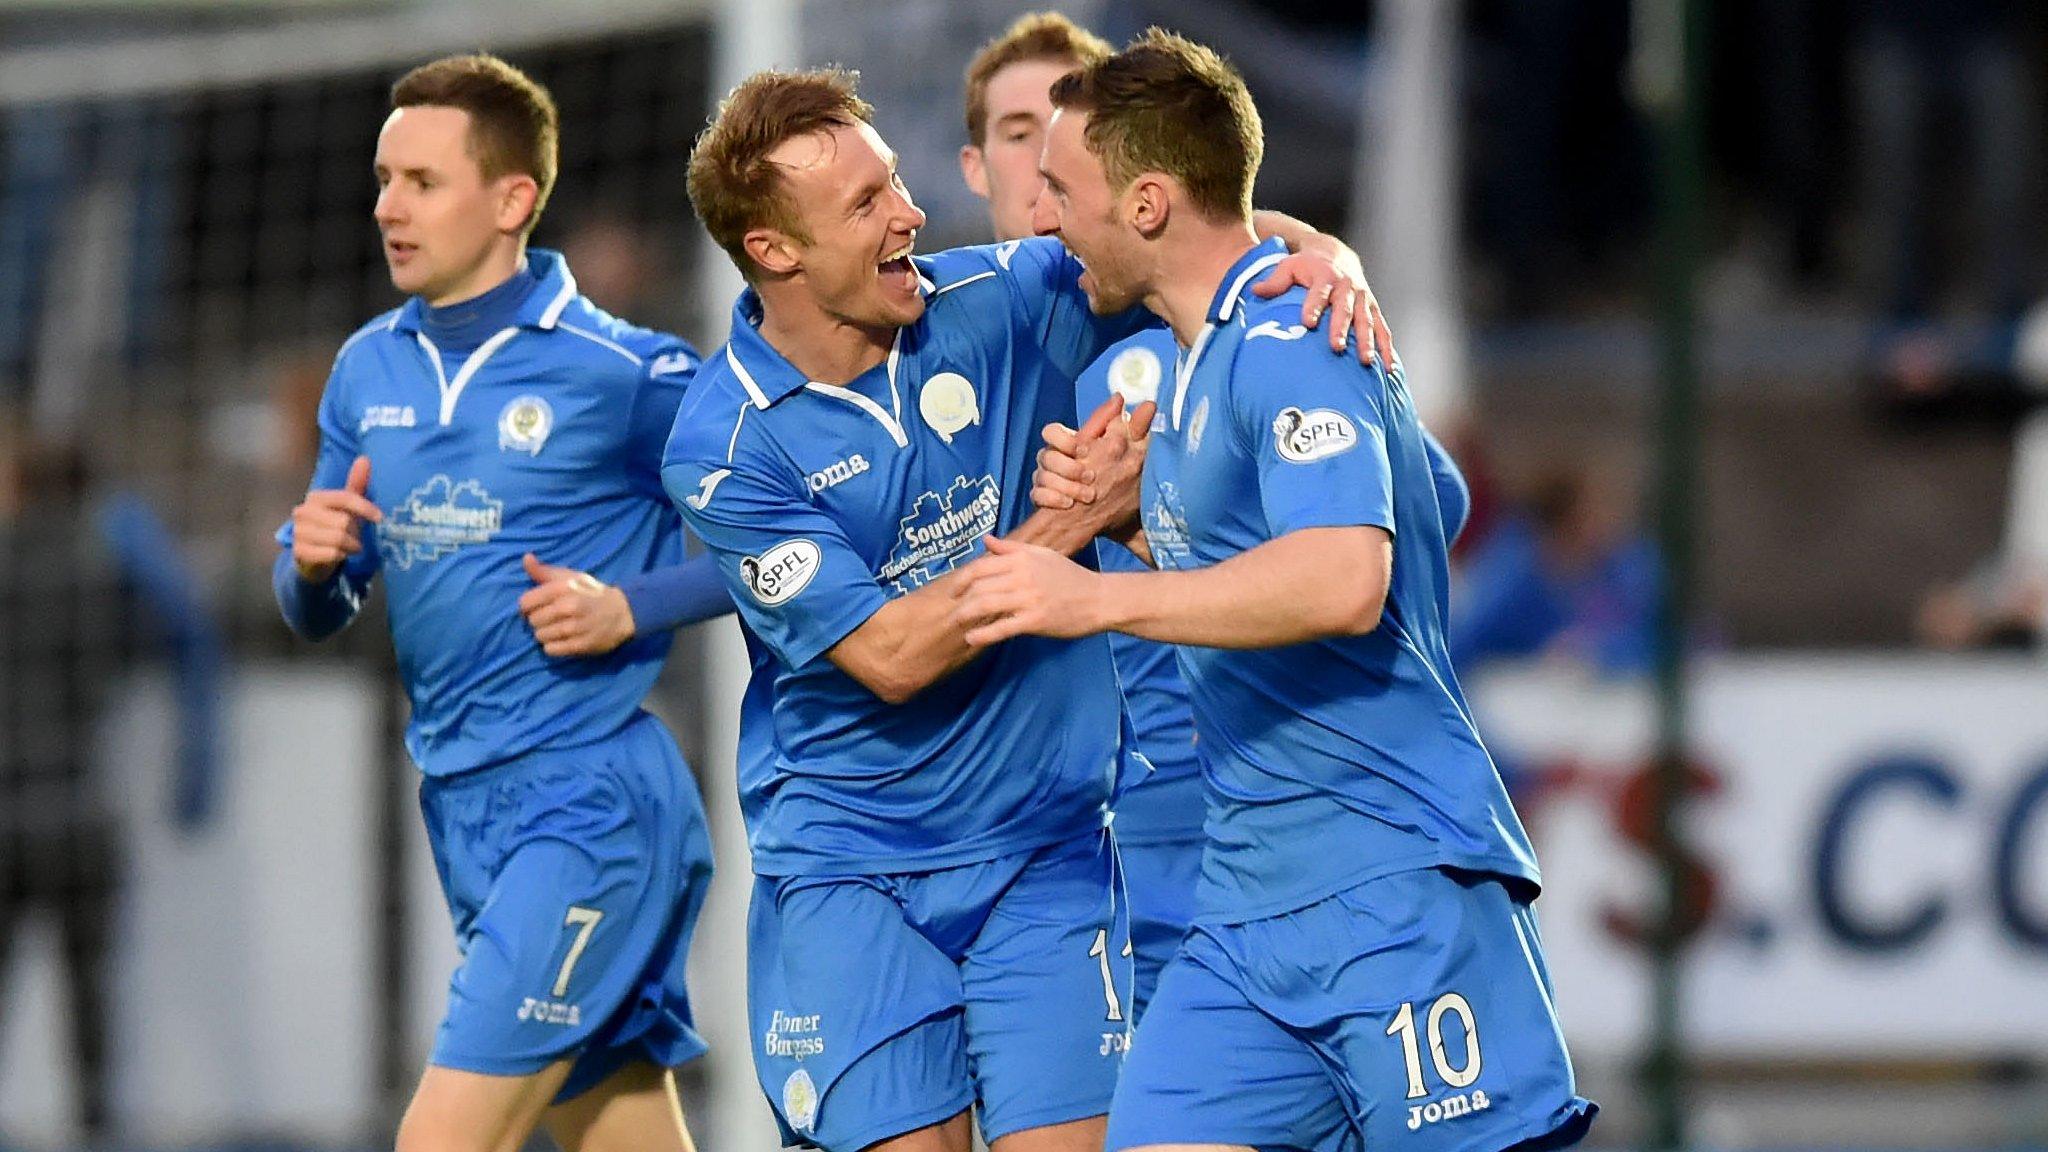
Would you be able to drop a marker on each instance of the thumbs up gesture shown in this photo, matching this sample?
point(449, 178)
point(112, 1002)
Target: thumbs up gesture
point(573, 613)
point(327, 524)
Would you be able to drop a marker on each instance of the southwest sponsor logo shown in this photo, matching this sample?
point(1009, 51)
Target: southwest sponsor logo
point(1166, 529)
point(942, 531)
point(782, 571)
point(1316, 434)
point(437, 518)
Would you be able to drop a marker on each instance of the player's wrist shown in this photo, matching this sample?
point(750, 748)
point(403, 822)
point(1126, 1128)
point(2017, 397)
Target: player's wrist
point(1112, 604)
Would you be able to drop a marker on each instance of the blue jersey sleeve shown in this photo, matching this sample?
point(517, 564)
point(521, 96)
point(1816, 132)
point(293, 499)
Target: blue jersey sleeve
point(676, 596)
point(1045, 278)
point(669, 366)
point(1453, 495)
point(1313, 423)
point(316, 611)
point(792, 572)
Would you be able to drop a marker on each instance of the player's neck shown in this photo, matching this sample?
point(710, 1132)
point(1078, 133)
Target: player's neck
point(1189, 266)
point(823, 347)
point(501, 264)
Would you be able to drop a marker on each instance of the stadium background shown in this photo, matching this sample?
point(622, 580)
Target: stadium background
point(1862, 862)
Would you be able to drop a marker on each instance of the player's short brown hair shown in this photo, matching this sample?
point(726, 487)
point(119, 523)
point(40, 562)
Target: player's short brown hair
point(733, 186)
point(1166, 104)
point(513, 125)
point(1033, 36)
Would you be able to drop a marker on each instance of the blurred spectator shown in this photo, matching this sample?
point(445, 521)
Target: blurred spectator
point(82, 211)
point(84, 575)
point(1561, 173)
point(614, 261)
point(2003, 603)
point(1918, 65)
point(1569, 576)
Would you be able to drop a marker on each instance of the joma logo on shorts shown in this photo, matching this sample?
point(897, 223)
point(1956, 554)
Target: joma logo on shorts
point(1449, 1108)
point(551, 1012)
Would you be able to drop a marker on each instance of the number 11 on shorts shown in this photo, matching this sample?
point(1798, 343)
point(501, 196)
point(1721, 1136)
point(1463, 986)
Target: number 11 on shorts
point(1100, 952)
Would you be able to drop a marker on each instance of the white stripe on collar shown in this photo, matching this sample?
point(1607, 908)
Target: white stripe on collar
point(1184, 371)
point(746, 380)
point(1230, 298)
point(451, 390)
point(561, 300)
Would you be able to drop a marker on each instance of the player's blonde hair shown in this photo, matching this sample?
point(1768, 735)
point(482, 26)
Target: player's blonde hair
point(1033, 36)
point(733, 186)
point(1167, 104)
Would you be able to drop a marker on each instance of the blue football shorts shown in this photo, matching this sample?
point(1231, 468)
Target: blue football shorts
point(883, 1004)
point(1159, 882)
point(1413, 1011)
point(574, 877)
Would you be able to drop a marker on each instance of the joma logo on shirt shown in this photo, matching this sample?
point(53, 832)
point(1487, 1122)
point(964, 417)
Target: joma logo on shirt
point(838, 472)
point(387, 416)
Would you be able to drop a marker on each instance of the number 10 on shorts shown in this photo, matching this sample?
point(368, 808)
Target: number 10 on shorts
point(1449, 1004)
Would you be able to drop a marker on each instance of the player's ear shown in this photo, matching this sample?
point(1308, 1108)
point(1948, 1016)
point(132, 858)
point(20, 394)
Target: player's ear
point(771, 251)
point(517, 196)
point(974, 170)
point(1147, 203)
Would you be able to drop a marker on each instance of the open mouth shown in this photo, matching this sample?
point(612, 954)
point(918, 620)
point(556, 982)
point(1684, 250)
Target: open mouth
point(399, 249)
point(897, 271)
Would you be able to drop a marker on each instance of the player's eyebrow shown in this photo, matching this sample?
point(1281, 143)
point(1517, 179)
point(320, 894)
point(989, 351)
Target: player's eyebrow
point(873, 187)
point(1025, 119)
point(383, 172)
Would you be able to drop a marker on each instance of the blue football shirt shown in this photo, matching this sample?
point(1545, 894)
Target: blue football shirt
point(822, 502)
point(1164, 800)
point(546, 439)
point(1163, 803)
point(1337, 761)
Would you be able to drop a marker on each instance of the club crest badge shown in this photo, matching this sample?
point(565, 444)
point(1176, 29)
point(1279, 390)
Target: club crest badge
point(800, 1101)
point(1198, 425)
point(947, 403)
point(524, 425)
point(1134, 375)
